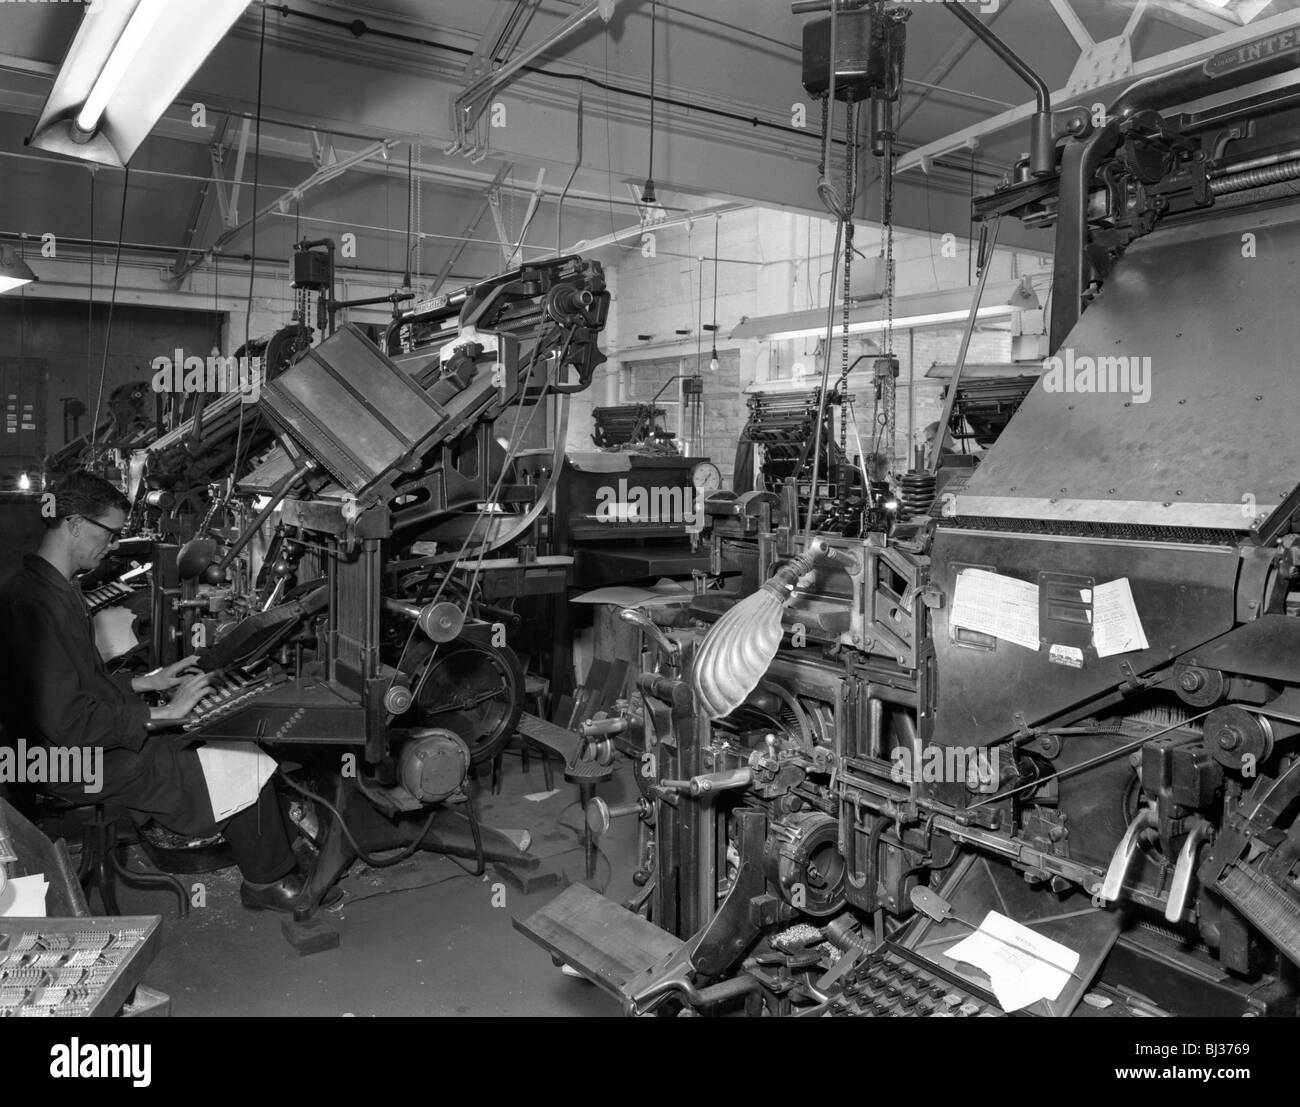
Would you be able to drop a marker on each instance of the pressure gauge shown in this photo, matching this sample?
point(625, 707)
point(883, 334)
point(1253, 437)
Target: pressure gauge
point(706, 477)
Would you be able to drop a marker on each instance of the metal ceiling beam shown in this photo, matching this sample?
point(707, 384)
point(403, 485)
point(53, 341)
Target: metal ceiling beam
point(1196, 17)
point(499, 38)
point(281, 202)
point(230, 211)
point(470, 227)
point(1073, 24)
point(533, 201)
point(946, 63)
point(469, 106)
point(979, 133)
point(201, 208)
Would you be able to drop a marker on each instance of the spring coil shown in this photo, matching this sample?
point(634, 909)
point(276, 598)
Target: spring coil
point(916, 492)
point(1256, 178)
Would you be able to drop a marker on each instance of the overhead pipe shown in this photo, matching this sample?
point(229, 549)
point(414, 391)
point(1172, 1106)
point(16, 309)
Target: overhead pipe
point(1042, 149)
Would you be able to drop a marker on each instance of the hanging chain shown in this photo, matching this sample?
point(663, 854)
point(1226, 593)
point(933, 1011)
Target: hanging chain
point(889, 391)
point(850, 198)
point(419, 238)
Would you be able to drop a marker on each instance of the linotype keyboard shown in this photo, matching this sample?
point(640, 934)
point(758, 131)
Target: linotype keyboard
point(890, 982)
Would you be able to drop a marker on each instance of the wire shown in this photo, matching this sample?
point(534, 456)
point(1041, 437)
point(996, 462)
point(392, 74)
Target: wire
point(252, 265)
point(1108, 756)
point(414, 888)
point(826, 373)
point(577, 163)
point(90, 305)
point(112, 300)
point(410, 181)
point(654, 11)
point(387, 862)
point(514, 441)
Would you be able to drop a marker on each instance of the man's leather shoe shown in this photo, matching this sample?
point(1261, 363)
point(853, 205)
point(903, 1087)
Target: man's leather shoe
point(283, 895)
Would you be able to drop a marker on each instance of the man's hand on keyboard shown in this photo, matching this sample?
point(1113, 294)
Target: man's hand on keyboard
point(161, 680)
point(191, 691)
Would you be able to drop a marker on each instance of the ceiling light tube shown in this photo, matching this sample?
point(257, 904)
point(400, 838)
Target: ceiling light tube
point(14, 272)
point(124, 53)
point(126, 65)
point(906, 322)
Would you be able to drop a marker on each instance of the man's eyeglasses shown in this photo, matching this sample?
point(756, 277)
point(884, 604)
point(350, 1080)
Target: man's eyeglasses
point(114, 533)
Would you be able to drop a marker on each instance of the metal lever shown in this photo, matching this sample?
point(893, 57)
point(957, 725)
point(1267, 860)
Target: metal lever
point(1123, 855)
point(640, 619)
point(712, 782)
point(599, 814)
point(1180, 889)
point(215, 575)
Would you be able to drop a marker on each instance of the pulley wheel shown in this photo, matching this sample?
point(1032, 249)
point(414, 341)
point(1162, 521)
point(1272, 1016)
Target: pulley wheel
point(474, 690)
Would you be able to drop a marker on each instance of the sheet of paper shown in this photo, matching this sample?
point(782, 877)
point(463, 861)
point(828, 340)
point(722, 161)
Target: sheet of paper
point(993, 604)
point(23, 897)
point(115, 632)
point(1022, 965)
point(235, 772)
point(628, 596)
point(1116, 627)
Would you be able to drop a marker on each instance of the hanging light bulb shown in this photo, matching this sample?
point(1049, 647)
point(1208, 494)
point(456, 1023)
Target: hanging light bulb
point(713, 358)
point(648, 195)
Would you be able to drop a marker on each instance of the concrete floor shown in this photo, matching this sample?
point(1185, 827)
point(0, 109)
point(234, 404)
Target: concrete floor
point(420, 938)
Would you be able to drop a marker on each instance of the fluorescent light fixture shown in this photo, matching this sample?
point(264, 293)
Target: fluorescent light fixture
point(123, 55)
point(14, 272)
point(127, 64)
point(901, 323)
point(926, 309)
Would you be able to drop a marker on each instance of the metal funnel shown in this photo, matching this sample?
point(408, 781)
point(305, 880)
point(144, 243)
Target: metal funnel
point(739, 648)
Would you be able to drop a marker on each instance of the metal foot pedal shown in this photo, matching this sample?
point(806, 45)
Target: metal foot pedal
point(309, 936)
point(603, 940)
point(587, 772)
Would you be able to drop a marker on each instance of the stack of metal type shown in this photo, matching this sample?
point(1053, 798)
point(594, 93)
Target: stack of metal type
point(62, 967)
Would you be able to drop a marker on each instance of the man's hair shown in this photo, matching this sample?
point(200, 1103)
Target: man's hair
point(86, 494)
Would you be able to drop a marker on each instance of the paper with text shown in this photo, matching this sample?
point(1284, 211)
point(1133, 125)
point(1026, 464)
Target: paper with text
point(993, 604)
point(235, 772)
point(1116, 627)
point(1022, 965)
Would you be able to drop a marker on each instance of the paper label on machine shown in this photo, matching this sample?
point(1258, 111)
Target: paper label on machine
point(998, 605)
point(1007, 608)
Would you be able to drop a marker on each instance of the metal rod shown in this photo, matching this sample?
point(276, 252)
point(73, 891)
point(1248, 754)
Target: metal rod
point(1022, 68)
point(277, 496)
point(951, 399)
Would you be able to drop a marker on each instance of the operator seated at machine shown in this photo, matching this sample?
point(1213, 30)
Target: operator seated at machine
point(55, 689)
point(930, 433)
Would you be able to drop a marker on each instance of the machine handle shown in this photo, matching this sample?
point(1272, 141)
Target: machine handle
point(707, 783)
point(1123, 855)
point(1180, 887)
